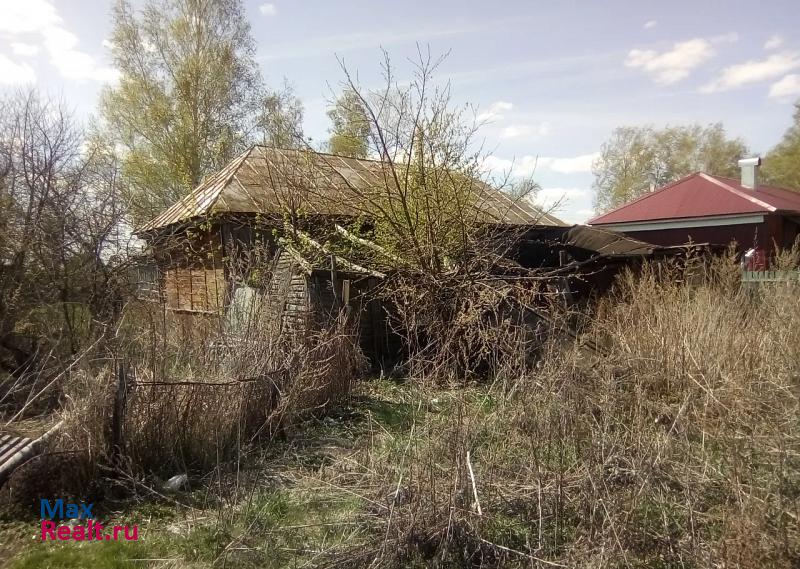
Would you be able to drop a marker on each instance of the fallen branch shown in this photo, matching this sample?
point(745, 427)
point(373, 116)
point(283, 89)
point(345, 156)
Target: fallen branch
point(523, 554)
point(369, 244)
point(474, 488)
point(52, 382)
point(344, 262)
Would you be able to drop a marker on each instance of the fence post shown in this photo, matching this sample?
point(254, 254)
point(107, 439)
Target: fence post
point(336, 296)
point(118, 412)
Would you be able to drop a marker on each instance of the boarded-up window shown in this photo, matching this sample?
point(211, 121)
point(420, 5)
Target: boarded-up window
point(194, 289)
point(148, 282)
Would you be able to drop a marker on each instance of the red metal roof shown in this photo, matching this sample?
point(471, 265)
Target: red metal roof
point(701, 195)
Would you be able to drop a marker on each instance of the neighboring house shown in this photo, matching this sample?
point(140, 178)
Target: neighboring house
point(711, 209)
point(250, 203)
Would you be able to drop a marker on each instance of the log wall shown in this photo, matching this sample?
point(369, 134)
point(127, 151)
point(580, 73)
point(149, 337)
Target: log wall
point(289, 292)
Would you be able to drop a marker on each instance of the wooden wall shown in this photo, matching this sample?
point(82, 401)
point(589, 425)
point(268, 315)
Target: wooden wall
point(289, 292)
point(192, 273)
point(195, 282)
point(194, 289)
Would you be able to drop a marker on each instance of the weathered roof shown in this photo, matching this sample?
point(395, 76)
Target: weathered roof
point(543, 246)
point(702, 195)
point(272, 180)
point(606, 243)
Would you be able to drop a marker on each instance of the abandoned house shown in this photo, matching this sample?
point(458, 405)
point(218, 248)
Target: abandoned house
point(702, 208)
point(244, 208)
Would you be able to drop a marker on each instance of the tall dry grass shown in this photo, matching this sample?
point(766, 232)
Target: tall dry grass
point(679, 446)
point(250, 390)
point(191, 403)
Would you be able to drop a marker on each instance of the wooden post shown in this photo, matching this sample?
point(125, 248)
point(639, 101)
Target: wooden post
point(346, 297)
point(336, 298)
point(378, 327)
point(118, 412)
point(346, 291)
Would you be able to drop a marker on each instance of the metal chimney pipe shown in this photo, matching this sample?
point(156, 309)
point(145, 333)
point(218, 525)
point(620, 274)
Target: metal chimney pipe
point(749, 168)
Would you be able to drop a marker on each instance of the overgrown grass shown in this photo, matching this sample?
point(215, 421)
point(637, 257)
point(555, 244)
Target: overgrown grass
point(282, 508)
point(678, 446)
point(108, 555)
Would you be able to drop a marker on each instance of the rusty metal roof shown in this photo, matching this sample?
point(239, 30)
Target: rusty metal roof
point(272, 180)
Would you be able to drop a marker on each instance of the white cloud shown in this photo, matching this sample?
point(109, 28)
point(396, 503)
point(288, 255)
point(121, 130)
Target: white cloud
point(72, 63)
point(527, 165)
point(24, 49)
point(673, 65)
point(582, 216)
point(788, 86)
point(28, 16)
point(577, 164)
point(753, 71)
point(569, 204)
point(552, 196)
point(268, 9)
point(649, 24)
point(499, 165)
point(518, 130)
point(40, 18)
point(494, 111)
point(774, 42)
point(515, 130)
point(523, 166)
point(12, 73)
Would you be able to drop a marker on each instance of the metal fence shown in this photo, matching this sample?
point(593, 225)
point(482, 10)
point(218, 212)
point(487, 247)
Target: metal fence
point(770, 276)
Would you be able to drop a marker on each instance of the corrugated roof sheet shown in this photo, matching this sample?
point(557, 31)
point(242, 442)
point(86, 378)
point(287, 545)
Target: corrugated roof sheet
point(271, 180)
point(10, 445)
point(702, 195)
point(605, 242)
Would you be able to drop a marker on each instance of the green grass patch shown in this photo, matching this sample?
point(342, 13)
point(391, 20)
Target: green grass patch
point(204, 543)
point(98, 555)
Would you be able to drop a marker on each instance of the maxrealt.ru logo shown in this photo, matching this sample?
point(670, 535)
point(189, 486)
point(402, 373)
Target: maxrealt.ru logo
point(80, 523)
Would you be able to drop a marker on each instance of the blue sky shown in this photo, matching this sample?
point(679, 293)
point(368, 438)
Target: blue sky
point(552, 78)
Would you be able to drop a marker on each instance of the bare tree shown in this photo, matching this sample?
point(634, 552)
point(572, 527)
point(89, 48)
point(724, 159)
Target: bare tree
point(59, 212)
point(433, 199)
point(429, 205)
